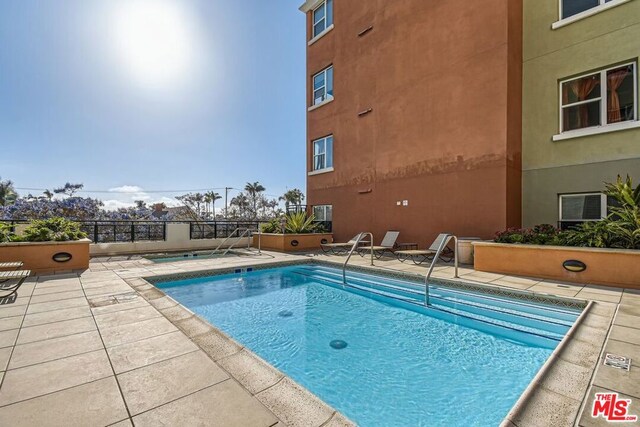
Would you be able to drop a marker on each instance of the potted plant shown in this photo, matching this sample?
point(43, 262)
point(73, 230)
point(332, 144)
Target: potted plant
point(46, 246)
point(292, 232)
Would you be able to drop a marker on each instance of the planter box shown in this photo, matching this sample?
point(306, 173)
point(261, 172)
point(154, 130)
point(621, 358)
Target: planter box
point(48, 257)
point(610, 267)
point(291, 242)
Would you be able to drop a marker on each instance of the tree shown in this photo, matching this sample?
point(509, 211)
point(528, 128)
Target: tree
point(254, 191)
point(48, 194)
point(140, 204)
point(292, 197)
point(211, 197)
point(69, 189)
point(8, 193)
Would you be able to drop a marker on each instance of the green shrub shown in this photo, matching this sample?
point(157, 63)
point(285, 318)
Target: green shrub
point(6, 233)
point(272, 226)
point(53, 229)
point(300, 223)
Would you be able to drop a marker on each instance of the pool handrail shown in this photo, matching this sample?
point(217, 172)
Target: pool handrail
point(444, 241)
point(353, 248)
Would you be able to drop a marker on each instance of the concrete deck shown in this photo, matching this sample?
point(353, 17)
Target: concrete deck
point(104, 347)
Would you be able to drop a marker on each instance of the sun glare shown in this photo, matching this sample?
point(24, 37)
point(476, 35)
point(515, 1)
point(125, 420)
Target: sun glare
point(155, 41)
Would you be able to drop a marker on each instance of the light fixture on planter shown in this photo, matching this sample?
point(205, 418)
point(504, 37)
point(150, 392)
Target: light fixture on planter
point(574, 266)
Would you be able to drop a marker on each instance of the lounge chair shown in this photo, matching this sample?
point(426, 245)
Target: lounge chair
point(337, 248)
point(9, 266)
point(387, 244)
point(19, 275)
point(420, 256)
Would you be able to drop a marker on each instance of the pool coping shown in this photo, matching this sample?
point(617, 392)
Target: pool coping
point(524, 405)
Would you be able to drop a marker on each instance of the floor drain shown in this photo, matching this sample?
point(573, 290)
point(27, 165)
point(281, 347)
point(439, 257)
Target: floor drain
point(285, 313)
point(619, 362)
point(338, 344)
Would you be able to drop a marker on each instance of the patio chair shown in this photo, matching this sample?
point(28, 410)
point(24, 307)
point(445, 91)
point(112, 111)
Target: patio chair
point(420, 256)
point(19, 275)
point(337, 248)
point(387, 244)
point(10, 266)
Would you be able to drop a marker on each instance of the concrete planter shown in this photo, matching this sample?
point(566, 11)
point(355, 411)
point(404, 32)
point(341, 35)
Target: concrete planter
point(291, 242)
point(48, 257)
point(610, 267)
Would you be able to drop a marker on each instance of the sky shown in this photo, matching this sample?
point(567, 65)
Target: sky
point(133, 98)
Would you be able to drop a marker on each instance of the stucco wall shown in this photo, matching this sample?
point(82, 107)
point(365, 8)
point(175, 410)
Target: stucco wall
point(549, 168)
point(444, 132)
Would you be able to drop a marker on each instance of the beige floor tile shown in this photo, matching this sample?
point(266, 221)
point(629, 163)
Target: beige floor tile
point(8, 338)
point(145, 352)
point(154, 385)
point(627, 382)
point(12, 311)
point(294, 405)
point(7, 323)
point(56, 316)
point(627, 320)
point(124, 317)
point(94, 404)
point(598, 296)
point(217, 345)
point(47, 290)
point(545, 288)
point(625, 334)
point(139, 302)
point(136, 331)
point(631, 310)
point(57, 305)
point(5, 354)
point(567, 379)
point(56, 348)
point(224, 404)
point(546, 408)
point(36, 299)
point(253, 373)
point(37, 380)
point(125, 423)
point(55, 330)
point(625, 349)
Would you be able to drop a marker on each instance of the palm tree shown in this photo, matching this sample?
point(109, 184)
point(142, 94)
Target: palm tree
point(292, 197)
point(48, 194)
point(254, 190)
point(8, 193)
point(212, 196)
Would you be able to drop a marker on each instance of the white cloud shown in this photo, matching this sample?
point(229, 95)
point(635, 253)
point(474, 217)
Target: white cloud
point(127, 189)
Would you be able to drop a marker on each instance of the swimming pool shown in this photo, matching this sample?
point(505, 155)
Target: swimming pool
point(193, 256)
point(373, 352)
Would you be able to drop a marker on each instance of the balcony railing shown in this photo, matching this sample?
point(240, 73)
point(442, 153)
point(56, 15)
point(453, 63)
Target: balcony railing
point(218, 229)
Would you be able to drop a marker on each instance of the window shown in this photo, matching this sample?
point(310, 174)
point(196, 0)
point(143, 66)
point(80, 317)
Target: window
point(323, 85)
point(600, 99)
point(323, 213)
point(323, 153)
point(583, 207)
point(573, 7)
point(322, 17)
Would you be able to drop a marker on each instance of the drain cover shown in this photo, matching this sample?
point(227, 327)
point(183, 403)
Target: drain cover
point(285, 313)
point(338, 344)
point(618, 362)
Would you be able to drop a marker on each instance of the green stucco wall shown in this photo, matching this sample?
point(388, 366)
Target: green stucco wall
point(579, 164)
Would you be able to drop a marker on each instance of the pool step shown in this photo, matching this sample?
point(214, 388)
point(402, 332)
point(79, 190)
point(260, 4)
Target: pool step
point(558, 315)
point(551, 329)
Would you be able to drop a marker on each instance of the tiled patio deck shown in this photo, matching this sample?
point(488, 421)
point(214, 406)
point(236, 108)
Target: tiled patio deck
point(105, 348)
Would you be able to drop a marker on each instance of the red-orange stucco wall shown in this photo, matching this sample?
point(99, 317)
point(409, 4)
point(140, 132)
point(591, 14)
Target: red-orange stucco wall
point(443, 80)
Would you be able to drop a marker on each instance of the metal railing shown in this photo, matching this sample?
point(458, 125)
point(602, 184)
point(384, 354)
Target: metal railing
point(218, 229)
point(240, 236)
point(443, 244)
point(353, 248)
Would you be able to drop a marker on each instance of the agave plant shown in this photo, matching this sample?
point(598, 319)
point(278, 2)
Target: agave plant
point(300, 223)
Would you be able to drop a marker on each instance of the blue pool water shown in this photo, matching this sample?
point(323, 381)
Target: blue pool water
point(372, 352)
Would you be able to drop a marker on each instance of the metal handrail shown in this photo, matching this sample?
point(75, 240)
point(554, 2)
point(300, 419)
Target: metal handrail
point(227, 238)
point(353, 248)
point(239, 238)
point(443, 245)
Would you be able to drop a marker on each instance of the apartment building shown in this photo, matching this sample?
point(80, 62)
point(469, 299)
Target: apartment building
point(580, 106)
point(414, 116)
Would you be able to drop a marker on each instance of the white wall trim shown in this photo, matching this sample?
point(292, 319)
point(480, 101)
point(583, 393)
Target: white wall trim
point(320, 171)
point(320, 104)
point(596, 130)
point(587, 13)
point(309, 5)
point(321, 35)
